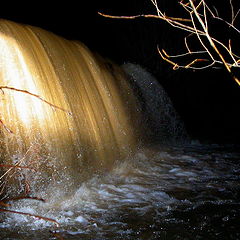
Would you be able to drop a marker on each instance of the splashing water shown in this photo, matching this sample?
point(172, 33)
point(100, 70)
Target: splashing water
point(177, 192)
point(86, 122)
point(161, 120)
point(72, 132)
point(67, 113)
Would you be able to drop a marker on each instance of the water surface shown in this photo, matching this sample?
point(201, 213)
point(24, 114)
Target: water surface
point(174, 192)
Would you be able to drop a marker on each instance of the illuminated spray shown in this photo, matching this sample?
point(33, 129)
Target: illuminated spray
point(95, 123)
point(66, 113)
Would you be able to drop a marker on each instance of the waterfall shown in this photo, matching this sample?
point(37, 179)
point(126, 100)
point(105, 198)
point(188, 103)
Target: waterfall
point(87, 119)
point(66, 112)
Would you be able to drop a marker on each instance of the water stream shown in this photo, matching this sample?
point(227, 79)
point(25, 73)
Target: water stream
point(174, 192)
point(104, 148)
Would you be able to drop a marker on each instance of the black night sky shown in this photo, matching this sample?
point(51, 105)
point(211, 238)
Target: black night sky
point(207, 101)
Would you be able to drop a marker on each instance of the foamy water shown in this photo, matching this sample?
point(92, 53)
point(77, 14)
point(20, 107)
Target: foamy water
point(185, 192)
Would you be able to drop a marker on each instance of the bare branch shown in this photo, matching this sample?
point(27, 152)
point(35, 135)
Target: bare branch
point(31, 215)
point(235, 16)
point(5, 127)
point(145, 16)
point(175, 65)
point(198, 24)
point(194, 13)
point(23, 197)
point(36, 96)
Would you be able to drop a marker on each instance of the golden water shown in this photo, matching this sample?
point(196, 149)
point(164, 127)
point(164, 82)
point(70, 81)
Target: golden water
point(89, 120)
point(86, 122)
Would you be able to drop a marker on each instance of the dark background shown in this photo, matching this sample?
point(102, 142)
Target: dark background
point(207, 100)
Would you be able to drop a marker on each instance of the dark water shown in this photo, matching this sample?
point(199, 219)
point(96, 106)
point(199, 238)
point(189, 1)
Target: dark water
point(184, 192)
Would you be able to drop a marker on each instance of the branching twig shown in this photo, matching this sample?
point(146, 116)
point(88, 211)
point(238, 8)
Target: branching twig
point(198, 24)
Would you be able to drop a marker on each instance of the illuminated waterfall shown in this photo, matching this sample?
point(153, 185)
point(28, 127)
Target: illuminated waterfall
point(86, 122)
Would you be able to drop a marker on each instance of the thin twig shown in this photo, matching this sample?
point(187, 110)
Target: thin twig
point(36, 96)
point(31, 215)
point(18, 163)
point(5, 127)
point(24, 197)
point(143, 15)
point(198, 16)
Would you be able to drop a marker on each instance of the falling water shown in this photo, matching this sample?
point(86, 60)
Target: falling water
point(103, 145)
point(78, 112)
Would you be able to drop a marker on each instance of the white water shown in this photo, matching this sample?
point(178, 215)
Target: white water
point(169, 192)
point(174, 192)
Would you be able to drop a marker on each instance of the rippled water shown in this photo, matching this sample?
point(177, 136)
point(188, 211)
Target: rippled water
point(184, 192)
